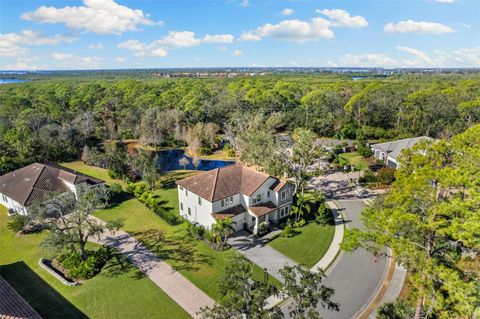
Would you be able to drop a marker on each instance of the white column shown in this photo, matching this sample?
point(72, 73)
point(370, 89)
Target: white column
point(255, 228)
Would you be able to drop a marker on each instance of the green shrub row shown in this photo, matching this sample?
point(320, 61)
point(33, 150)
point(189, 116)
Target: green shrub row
point(77, 268)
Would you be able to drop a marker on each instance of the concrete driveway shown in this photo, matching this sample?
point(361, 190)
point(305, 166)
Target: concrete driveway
point(355, 276)
point(257, 251)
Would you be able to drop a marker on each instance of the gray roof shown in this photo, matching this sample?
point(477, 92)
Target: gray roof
point(394, 148)
point(12, 304)
point(32, 182)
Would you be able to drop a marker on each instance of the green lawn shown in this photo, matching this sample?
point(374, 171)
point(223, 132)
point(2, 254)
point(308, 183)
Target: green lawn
point(193, 258)
point(356, 160)
point(119, 291)
point(309, 246)
point(93, 171)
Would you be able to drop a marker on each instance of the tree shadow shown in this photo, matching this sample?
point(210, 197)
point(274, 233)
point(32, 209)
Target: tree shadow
point(38, 293)
point(119, 265)
point(176, 247)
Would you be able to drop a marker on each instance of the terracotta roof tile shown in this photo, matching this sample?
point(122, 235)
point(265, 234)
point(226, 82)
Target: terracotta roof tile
point(12, 305)
point(262, 208)
point(29, 183)
point(223, 182)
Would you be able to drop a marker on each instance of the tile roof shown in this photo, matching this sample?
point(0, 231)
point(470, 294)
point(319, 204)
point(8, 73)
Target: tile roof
point(278, 185)
point(262, 208)
point(32, 182)
point(230, 212)
point(12, 305)
point(394, 148)
point(225, 181)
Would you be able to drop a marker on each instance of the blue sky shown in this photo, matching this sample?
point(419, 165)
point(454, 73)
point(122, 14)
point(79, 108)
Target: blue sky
point(90, 34)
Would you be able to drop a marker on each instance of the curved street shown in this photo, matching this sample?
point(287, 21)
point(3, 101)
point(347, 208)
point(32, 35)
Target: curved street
point(355, 276)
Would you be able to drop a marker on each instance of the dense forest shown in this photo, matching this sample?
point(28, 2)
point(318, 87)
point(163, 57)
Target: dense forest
point(51, 120)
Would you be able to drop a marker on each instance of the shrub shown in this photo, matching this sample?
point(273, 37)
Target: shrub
point(228, 149)
point(262, 229)
point(323, 215)
point(17, 223)
point(195, 230)
point(77, 268)
point(395, 310)
point(288, 232)
point(367, 178)
point(386, 175)
point(364, 150)
point(299, 224)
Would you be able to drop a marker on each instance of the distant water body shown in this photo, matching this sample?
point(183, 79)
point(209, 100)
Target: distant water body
point(9, 81)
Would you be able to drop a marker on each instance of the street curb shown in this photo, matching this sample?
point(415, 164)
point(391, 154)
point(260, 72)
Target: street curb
point(334, 250)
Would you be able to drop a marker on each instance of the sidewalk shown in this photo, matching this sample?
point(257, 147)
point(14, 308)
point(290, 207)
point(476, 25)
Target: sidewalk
point(334, 248)
point(182, 291)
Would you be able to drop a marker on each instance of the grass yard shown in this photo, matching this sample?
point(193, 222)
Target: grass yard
point(309, 246)
point(119, 291)
point(356, 160)
point(93, 171)
point(193, 258)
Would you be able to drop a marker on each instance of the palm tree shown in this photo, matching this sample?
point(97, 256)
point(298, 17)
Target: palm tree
point(301, 206)
point(225, 229)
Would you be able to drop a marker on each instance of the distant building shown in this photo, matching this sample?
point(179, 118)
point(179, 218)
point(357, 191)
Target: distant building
point(21, 188)
point(389, 151)
point(246, 196)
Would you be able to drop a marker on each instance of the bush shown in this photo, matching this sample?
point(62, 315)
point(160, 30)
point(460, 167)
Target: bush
point(262, 229)
point(288, 232)
point(195, 230)
point(17, 223)
point(228, 149)
point(395, 310)
point(323, 215)
point(368, 178)
point(77, 268)
point(386, 175)
point(299, 224)
point(364, 150)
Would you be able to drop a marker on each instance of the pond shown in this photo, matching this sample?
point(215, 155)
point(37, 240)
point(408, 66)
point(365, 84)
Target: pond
point(8, 81)
point(169, 160)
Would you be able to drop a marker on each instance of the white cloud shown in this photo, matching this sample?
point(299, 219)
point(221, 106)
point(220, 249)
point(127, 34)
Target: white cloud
point(218, 38)
point(180, 39)
point(410, 26)
point(292, 30)
point(245, 3)
point(366, 60)
point(11, 44)
point(24, 63)
point(237, 53)
point(159, 52)
point(287, 12)
point(74, 62)
point(120, 59)
point(342, 18)
point(61, 56)
point(302, 31)
point(422, 56)
point(173, 40)
point(463, 57)
point(98, 16)
point(95, 46)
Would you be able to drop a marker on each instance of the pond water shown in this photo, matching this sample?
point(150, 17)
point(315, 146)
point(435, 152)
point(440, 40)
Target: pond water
point(8, 81)
point(169, 160)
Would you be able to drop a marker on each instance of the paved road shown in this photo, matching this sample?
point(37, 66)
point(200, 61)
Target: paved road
point(182, 291)
point(354, 276)
point(257, 251)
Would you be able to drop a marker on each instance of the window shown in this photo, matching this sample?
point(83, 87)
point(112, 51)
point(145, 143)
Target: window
point(5, 199)
point(181, 206)
point(283, 211)
point(186, 193)
point(257, 199)
point(181, 188)
point(199, 201)
point(189, 212)
point(226, 201)
point(268, 194)
point(285, 194)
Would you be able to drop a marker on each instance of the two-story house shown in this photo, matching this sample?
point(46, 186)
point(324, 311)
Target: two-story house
point(21, 188)
point(246, 196)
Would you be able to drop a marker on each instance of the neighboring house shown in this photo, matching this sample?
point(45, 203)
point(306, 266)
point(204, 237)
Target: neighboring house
point(389, 151)
point(246, 196)
point(21, 188)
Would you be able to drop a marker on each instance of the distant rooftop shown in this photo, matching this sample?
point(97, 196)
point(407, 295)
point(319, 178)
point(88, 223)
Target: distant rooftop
point(394, 148)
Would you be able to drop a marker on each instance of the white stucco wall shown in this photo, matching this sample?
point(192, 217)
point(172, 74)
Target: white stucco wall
point(11, 204)
point(199, 213)
point(217, 205)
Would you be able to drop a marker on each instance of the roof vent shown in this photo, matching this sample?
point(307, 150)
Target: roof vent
point(13, 174)
point(3, 185)
point(27, 179)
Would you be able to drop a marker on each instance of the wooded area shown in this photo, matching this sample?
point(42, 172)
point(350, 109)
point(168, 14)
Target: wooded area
point(52, 120)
